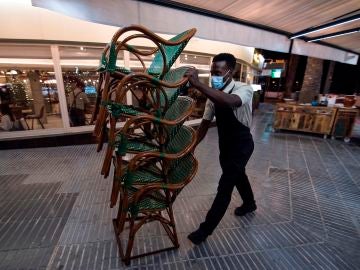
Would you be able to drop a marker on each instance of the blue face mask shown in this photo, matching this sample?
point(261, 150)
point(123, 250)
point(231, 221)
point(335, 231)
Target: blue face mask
point(217, 82)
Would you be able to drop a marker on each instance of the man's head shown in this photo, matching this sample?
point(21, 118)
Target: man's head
point(76, 82)
point(223, 65)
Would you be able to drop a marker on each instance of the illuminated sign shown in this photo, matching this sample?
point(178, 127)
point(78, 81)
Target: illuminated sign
point(275, 73)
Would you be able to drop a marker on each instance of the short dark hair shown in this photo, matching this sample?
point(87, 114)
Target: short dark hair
point(227, 57)
point(74, 79)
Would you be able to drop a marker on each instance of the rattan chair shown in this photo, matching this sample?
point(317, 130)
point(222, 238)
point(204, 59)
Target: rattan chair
point(181, 140)
point(148, 133)
point(166, 53)
point(159, 99)
point(152, 202)
point(162, 162)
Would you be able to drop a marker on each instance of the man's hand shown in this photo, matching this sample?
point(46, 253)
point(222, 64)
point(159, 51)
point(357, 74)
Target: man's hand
point(192, 75)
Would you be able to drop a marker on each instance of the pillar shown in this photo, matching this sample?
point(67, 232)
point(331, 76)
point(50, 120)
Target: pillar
point(312, 80)
point(35, 85)
point(329, 77)
point(291, 74)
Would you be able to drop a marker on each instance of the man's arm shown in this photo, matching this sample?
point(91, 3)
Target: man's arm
point(216, 96)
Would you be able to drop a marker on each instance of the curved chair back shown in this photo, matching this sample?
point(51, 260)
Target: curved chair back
point(172, 52)
point(147, 204)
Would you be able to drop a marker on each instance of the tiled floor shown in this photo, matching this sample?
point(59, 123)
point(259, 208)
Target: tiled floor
point(54, 210)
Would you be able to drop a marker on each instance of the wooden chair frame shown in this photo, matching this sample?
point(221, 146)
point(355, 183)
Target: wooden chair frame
point(100, 114)
point(113, 120)
point(135, 222)
point(141, 159)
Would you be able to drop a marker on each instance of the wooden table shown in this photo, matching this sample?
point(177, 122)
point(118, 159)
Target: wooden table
point(305, 118)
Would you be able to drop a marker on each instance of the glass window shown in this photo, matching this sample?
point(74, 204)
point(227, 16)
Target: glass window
point(79, 64)
point(28, 86)
point(244, 73)
point(237, 72)
point(202, 63)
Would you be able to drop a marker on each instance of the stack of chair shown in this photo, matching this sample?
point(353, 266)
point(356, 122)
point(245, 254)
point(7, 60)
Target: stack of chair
point(152, 153)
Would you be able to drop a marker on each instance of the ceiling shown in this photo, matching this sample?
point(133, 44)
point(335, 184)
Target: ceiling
point(289, 16)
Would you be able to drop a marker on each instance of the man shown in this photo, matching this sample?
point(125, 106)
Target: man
point(231, 103)
point(78, 101)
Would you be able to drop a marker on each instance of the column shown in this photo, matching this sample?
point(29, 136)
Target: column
point(291, 74)
point(312, 80)
point(60, 86)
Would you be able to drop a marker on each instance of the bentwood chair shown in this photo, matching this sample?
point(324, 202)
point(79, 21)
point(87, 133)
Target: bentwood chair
point(158, 98)
point(166, 53)
point(152, 202)
point(181, 139)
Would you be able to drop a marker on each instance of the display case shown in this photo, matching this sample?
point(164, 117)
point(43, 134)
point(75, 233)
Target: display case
point(305, 118)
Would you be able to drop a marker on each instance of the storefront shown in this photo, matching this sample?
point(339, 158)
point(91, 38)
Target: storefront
point(36, 80)
point(44, 50)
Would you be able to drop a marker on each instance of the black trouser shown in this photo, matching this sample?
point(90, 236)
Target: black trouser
point(77, 117)
point(233, 167)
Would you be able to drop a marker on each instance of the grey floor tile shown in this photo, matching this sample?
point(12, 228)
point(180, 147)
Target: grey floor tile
point(54, 211)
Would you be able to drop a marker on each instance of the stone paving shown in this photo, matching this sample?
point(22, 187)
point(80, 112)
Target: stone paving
point(54, 211)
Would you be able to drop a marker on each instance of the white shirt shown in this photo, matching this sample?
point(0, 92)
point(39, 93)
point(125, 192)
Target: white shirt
point(243, 113)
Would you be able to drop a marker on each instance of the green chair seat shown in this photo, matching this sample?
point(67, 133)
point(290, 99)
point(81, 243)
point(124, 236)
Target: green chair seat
point(124, 145)
point(140, 177)
point(119, 109)
point(122, 70)
point(138, 146)
point(102, 68)
point(156, 201)
point(179, 138)
point(180, 171)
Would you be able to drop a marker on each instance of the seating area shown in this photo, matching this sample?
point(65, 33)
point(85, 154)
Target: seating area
point(37, 117)
point(152, 153)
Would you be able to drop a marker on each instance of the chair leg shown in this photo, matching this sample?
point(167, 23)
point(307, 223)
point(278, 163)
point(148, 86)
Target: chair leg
point(27, 124)
point(116, 181)
point(114, 192)
point(101, 137)
point(133, 228)
point(41, 124)
point(110, 148)
point(130, 243)
point(175, 239)
point(121, 217)
point(32, 123)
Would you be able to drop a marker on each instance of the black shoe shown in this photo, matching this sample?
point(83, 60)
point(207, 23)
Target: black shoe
point(244, 209)
point(197, 236)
